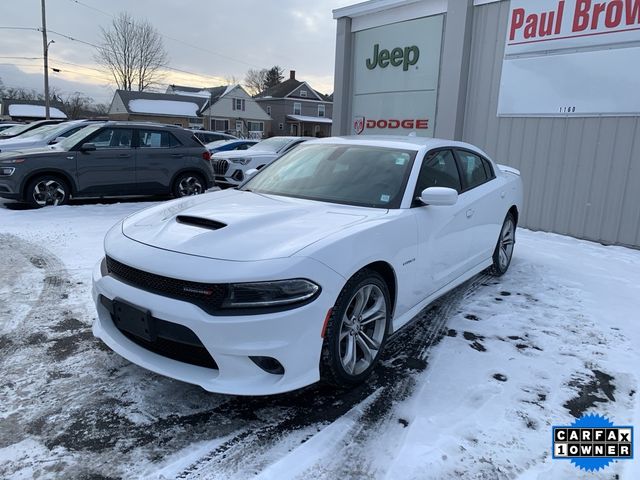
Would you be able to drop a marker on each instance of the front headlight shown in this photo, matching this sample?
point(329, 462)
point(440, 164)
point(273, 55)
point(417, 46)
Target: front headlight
point(241, 161)
point(12, 161)
point(269, 294)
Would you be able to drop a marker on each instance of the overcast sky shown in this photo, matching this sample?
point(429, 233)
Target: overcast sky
point(232, 36)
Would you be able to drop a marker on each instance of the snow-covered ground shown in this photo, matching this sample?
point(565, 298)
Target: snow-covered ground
point(469, 390)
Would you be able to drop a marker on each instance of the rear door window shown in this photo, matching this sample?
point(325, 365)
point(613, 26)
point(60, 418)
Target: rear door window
point(473, 169)
point(156, 139)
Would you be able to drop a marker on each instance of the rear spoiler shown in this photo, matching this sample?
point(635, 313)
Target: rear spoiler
point(507, 169)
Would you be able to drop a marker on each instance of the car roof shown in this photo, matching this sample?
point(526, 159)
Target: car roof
point(122, 123)
point(395, 141)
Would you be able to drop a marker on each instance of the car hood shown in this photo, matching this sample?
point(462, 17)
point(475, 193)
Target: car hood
point(241, 226)
point(244, 153)
point(32, 152)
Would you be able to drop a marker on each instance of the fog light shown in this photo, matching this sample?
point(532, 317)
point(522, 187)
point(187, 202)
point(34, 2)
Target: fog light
point(269, 365)
point(7, 171)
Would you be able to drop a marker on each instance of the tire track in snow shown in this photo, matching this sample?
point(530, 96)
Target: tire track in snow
point(406, 354)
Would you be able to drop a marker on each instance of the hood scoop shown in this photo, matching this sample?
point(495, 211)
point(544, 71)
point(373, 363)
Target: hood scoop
point(200, 222)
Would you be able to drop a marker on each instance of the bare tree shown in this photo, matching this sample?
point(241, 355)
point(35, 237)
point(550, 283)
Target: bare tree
point(133, 52)
point(254, 81)
point(231, 80)
point(77, 105)
point(257, 81)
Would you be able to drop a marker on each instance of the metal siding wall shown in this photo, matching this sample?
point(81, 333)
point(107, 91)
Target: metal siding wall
point(581, 175)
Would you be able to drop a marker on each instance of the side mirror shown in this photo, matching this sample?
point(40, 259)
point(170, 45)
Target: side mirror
point(87, 147)
point(56, 140)
point(251, 172)
point(439, 196)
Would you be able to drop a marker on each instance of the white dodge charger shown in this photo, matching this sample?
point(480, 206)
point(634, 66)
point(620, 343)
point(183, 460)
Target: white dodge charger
point(304, 271)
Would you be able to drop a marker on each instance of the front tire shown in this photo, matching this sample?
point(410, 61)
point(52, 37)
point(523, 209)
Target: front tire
point(47, 190)
point(187, 184)
point(504, 248)
point(356, 331)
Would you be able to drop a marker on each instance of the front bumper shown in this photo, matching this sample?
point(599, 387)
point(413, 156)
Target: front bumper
point(9, 188)
point(292, 337)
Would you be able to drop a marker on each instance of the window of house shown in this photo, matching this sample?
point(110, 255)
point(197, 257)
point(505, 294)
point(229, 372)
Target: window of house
point(321, 110)
point(255, 126)
point(303, 93)
point(238, 104)
point(269, 110)
point(220, 125)
point(297, 108)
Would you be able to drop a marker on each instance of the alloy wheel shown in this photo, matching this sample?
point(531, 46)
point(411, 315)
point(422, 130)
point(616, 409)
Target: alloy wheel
point(190, 186)
point(49, 192)
point(362, 330)
point(507, 240)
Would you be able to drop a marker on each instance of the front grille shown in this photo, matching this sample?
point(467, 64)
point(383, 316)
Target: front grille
point(208, 296)
point(190, 354)
point(220, 166)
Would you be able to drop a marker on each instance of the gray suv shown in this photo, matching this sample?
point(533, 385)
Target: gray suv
point(108, 159)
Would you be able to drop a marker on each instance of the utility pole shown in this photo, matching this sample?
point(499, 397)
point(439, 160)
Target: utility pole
point(45, 47)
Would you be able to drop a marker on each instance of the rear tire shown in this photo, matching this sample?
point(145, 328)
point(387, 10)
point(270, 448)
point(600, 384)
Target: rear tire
point(47, 190)
point(188, 184)
point(356, 331)
point(504, 248)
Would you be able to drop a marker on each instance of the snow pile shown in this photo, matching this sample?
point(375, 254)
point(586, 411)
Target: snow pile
point(164, 107)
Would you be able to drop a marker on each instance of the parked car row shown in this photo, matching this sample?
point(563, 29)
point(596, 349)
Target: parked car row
point(48, 162)
point(99, 159)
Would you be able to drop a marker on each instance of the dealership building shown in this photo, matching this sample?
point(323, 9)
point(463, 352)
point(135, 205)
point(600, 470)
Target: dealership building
point(551, 87)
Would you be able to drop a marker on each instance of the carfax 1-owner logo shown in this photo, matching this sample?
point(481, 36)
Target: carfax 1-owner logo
point(592, 442)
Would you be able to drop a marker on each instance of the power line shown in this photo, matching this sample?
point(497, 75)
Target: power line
point(20, 28)
point(22, 58)
point(197, 47)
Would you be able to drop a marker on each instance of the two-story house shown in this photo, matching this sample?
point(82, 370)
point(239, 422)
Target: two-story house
point(296, 109)
point(228, 109)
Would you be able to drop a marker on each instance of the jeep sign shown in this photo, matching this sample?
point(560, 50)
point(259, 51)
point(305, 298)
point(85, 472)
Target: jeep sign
point(395, 77)
point(397, 56)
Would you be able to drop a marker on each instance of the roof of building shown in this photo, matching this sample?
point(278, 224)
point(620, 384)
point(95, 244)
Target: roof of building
point(309, 119)
point(162, 103)
point(283, 89)
point(210, 93)
point(31, 108)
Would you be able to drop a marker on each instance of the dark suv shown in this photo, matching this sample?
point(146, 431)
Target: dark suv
point(109, 159)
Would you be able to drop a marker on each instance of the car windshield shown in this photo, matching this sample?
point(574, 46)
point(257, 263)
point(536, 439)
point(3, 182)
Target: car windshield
point(71, 141)
point(17, 130)
point(42, 132)
point(347, 174)
point(218, 143)
point(273, 144)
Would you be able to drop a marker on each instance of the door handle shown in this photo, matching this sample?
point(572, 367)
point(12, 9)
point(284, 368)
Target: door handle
point(124, 155)
point(470, 212)
point(176, 155)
